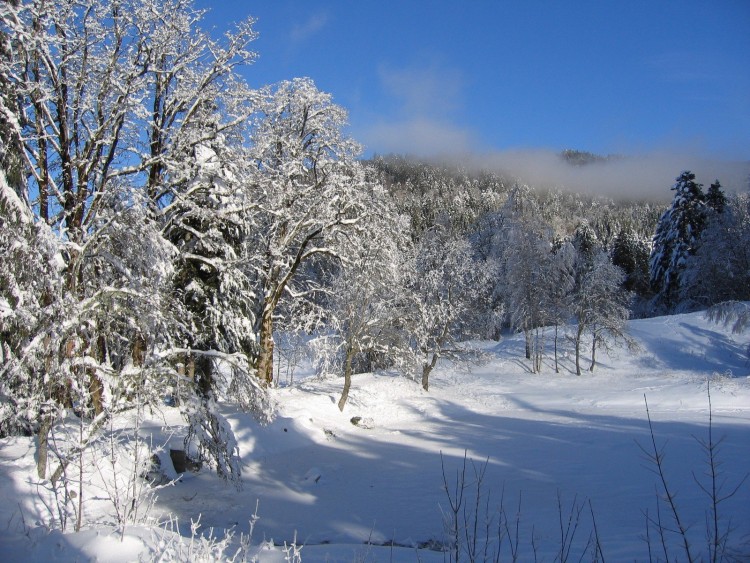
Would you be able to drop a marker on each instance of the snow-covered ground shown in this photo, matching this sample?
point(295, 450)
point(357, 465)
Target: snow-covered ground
point(551, 441)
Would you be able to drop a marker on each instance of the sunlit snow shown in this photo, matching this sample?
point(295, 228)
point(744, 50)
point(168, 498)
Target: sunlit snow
point(351, 491)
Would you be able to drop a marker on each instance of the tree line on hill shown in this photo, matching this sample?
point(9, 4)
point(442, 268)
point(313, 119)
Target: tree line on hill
point(162, 223)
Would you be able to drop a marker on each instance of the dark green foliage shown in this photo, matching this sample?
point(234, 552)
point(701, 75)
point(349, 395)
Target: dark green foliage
point(715, 198)
point(631, 254)
point(676, 239)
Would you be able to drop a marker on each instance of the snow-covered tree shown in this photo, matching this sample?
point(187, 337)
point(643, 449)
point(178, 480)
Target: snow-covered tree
point(517, 213)
point(11, 153)
point(528, 270)
point(30, 307)
point(309, 193)
point(364, 326)
point(599, 303)
point(112, 99)
point(447, 287)
point(734, 313)
point(676, 239)
point(95, 344)
point(715, 198)
point(191, 79)
point(720, 268)
point(210, 220)
point(559, 282)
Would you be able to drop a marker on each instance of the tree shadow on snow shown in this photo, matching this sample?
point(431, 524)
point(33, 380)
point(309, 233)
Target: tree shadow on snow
point(686, 347)
point(350, 485)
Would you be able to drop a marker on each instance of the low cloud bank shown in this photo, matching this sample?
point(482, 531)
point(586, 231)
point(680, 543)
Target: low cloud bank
point(621, 177)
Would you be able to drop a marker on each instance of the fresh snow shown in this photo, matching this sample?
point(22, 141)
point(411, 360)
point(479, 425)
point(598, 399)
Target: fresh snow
point(349, 492)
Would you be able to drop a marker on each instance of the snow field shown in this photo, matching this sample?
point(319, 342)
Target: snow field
point(349, 490)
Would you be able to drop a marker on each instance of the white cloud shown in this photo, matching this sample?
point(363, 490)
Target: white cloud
point(419, 136)
point(428, 91)
point(424, 121)
point(303, 31)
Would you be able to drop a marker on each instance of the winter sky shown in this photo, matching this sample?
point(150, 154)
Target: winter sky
point(437, 77)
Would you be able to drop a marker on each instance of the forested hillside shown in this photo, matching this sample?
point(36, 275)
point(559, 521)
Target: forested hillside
point(169, 232)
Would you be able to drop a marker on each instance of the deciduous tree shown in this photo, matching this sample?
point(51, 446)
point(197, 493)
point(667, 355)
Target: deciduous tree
point(309, 193)
point(447, 287)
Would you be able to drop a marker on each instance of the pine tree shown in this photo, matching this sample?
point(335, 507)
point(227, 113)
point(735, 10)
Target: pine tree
point(715, 198)
point(676, 239)
point(720, 269)
point(209, 221)
point(632, 255)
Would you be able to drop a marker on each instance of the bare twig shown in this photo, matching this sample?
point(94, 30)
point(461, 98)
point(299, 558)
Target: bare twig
point(598, 553)
point(715, 490)
point(656, 457)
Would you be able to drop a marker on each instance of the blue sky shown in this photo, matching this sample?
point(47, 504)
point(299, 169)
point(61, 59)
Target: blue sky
point(434, 77)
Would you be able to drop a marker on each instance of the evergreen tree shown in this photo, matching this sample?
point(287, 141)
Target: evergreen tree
point(676, 239)
point(720, 269)
point(209, 221)
point(715, 198)
point(632, 255)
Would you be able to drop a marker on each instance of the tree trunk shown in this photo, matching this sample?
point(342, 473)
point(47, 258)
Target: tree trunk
point(265, 357)
point(203, 373)
point(579, 335)
point(538, 351)
point(527, 336)
point(557, 366)
point(42, 161)
point(139, 351)
point(426, 369)
point(593, 354)
point(96, 391)
point(176, 390)
point(42, 448)
point(347, 377)
point(426, 376)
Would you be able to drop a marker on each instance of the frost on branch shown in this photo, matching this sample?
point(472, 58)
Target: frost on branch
point(309, 190)
point(447, 287)
point(210, 436)
point(31, 306)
